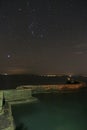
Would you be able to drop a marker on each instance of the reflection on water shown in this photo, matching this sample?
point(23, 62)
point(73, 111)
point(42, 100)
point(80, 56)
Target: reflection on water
point(53, 112)
point(21, 126)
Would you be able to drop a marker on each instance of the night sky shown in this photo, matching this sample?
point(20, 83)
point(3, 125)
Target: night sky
point(43, 36)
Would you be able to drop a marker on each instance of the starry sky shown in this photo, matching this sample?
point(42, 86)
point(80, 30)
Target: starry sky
point(43, 36)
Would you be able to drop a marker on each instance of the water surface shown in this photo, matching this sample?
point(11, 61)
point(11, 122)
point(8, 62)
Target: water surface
point(53, 112)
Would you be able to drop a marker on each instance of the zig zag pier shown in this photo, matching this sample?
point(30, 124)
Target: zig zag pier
point(60, 88)
point(23, 94)
point(9, 98)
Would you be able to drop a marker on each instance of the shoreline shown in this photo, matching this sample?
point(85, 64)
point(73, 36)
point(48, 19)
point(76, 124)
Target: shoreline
point(23, 94)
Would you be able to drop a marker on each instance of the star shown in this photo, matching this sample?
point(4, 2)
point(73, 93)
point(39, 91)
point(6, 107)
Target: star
point(33, 10)
point(32, 32)
point(41, 36)
point(20, 9)
point(28, 3)
point(8, 55)
point(30, 26)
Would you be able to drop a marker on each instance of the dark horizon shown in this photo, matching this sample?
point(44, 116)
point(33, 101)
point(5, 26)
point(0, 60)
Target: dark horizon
point(14, 81)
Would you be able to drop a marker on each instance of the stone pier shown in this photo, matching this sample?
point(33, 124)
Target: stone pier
point(7, 99)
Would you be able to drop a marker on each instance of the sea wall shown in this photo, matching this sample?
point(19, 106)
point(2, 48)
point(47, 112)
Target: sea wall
point(14, 95)
point(52, 88)
point(9, 98)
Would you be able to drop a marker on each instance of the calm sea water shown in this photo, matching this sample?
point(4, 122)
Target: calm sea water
point(53, 112)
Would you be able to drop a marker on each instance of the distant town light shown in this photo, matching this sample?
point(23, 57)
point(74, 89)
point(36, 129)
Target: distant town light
point(5, 74)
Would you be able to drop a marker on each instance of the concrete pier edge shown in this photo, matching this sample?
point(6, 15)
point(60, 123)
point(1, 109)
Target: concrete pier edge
point(27, 98)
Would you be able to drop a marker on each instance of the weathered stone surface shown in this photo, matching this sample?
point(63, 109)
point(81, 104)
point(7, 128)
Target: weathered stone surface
point(14, 95)
point(1, 100)
point(52, 88)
